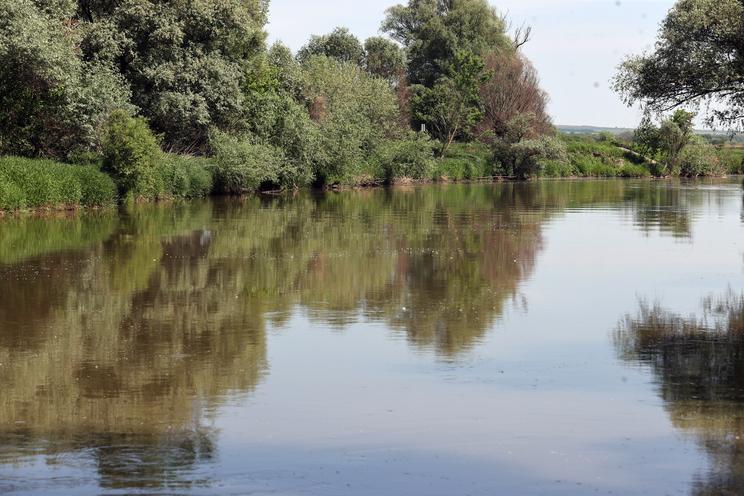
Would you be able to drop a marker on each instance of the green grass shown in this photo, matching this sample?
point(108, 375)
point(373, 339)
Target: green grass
point(36, 183)
point(589, 157)
point(464, 161)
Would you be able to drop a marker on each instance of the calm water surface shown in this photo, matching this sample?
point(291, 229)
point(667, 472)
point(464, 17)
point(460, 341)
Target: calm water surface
point(554, 338)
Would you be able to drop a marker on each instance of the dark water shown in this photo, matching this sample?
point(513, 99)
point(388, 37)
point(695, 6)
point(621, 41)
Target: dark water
point(554, 338)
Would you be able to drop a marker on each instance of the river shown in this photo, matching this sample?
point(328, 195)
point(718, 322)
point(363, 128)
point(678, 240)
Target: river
point(543, 338)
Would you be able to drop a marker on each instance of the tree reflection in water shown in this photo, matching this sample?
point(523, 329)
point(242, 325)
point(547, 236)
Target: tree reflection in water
point(121, 335)
point(698, 364)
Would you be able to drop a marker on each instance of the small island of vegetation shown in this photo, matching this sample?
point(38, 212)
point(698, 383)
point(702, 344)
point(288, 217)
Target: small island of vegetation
point(151, 100)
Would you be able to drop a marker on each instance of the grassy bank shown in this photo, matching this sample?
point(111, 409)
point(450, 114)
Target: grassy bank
point(38, 184)
point(591, 157)
point(577, 157)
point(35, 183)
point(237, 168)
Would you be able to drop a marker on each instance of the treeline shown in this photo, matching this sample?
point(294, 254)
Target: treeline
point(181, 99)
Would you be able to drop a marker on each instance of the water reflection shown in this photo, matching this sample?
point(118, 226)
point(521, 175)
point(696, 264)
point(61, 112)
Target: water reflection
point(123, 334)
point(698, 364)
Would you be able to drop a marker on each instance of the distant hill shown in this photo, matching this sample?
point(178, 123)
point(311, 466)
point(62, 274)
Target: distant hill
point(593, 129)
point(723, 136)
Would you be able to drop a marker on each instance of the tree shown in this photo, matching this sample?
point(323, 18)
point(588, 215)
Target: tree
point(186, 62)
point(674, 135)
point(340, 44)
point(52, 101)
point(451, 107)
point(698, 59)
point(512, 89)
point(646, 139)
point(435, 31)
point(385, 59)
point(355, 114)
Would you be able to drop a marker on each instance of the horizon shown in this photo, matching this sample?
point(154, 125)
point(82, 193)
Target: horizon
point(576, 45)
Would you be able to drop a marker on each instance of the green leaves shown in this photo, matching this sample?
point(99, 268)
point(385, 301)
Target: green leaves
point(434, 32)
point(131, 153)
point(340, 44)
point(354, 112)
point(452, 106)
point(52, 100)
point(697, 59)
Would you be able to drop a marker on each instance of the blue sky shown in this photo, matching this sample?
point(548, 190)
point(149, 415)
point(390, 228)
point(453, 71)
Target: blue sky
point(576, 44)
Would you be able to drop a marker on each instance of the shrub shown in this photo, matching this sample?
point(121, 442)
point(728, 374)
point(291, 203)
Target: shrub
point(732, 160)
point(634, 170)
point(558, 168)
point(131, 154)
point(243, 167)
point(355, 114)
point(278, 120)
point(527, 158)
point(31, 183)
point(700, 159)
point(464, 161)
point(408, 158)
point(182, 176)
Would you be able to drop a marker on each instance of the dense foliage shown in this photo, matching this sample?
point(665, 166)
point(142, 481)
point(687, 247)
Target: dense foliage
point(697, 59)
point(182, 99)
point(672, 148)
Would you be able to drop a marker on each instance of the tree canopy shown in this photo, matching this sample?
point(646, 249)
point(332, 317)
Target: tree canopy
point(698, 59)
point(339, 44)
point(434, 31)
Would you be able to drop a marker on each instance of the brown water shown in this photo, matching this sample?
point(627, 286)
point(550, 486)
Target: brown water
point(552, 338)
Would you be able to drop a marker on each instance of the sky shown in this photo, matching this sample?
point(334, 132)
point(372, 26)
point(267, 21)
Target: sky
point(576, 45)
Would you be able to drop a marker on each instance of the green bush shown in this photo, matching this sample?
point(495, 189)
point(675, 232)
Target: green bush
point(409, 158)
point(558, 168)
point(634, 170)
point(33, 183)
point(182, 176)
point(732, 160)
point(700, 159)
point(244, 167)
point(96, 187)
point(527, 158)
point(131, 153)
point(355, 114)
point(278, 120)
point(465, 161)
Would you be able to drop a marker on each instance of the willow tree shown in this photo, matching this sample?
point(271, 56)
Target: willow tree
point(698, 60)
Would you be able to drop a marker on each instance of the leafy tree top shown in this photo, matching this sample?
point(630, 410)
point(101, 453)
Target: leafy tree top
point(698, 59)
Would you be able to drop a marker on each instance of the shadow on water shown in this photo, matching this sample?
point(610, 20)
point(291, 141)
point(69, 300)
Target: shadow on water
point(698, 365)
point(122, 335)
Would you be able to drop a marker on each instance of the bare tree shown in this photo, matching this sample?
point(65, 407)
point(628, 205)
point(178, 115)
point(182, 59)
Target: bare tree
point(513, 89)
point(522, 34)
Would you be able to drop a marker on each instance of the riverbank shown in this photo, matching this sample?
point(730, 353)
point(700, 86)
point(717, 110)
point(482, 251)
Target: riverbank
point(42, 186)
